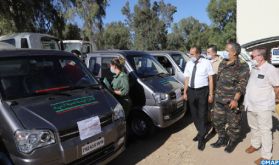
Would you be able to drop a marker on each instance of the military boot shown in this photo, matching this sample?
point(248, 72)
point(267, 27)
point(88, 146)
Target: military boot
point(221, 142)
point(231, 146)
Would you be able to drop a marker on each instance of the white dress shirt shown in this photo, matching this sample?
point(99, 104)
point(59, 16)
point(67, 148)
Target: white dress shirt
point(204, 69)
point(260, 94)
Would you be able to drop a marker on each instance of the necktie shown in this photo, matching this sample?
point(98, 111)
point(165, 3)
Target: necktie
point(192, 84)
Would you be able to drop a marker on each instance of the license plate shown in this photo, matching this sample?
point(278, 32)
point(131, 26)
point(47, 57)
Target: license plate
point(92, 146)
point(178, 94)
point(179, 104)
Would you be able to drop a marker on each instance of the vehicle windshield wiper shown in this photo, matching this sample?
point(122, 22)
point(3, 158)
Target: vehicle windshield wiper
point(59, 93)
point(95, 86)
point(13, 103)
point(148, 75)
point(53, 91)
point(162, 73)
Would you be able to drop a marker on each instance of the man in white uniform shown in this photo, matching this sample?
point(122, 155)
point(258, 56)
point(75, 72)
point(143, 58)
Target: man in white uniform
point(198, 90)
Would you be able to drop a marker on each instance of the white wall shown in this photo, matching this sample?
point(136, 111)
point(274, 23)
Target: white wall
point(257, 19)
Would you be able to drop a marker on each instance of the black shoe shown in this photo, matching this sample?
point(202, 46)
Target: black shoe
point(231, 146)
point(195, 138)
point(213, 131)
point(221, 142)
point(201, 144)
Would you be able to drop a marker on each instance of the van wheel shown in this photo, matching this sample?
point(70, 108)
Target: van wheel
point(4, 159)
point(141, 125)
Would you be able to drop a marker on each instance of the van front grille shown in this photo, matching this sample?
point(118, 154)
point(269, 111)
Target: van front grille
point(176, 112)
point(73, 132)
point(172, 95)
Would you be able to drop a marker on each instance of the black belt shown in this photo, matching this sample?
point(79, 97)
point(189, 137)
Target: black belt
point(197, 89)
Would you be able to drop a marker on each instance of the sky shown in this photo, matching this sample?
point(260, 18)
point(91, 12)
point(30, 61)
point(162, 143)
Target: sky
point(185, 8)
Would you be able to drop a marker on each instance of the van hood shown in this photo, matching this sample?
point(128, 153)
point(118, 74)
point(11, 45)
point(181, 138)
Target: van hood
point(162, 84)
point(62, 113)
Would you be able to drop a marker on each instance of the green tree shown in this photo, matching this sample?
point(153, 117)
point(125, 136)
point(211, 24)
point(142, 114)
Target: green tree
point(148, 23)
point(31, 16)
point(72, 32)
point(193, 31)
point(175, 40)
point(223, 16)
point(92, 13)
point(188, 32)
point(116, 36)
point(165, 12)
point(6, 26)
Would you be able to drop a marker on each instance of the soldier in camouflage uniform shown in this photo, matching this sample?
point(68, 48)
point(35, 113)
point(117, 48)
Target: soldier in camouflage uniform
point(232, 79)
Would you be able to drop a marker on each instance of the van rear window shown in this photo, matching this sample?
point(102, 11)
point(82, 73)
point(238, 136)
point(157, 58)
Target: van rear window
point(24, 43)
point(9, 41)
point(275, 51)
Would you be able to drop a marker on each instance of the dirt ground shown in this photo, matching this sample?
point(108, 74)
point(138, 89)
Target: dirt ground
point(174, 146)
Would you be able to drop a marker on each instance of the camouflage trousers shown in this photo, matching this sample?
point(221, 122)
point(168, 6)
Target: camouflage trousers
point(226, 121)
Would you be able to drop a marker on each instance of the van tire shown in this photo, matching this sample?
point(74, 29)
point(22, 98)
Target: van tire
point(4, 159)
point(141, 125)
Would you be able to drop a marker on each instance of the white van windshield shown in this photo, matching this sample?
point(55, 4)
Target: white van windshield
point(86, 48)
point(50, 43)
point(146, 65)
point(72, 46)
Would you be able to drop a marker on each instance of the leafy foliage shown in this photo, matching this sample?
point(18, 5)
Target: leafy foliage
point(148, 23)
point(92, 13)
point(188, 32)
point(31, 16)
point(116, 36)
point(72, 32)
point(223, 16)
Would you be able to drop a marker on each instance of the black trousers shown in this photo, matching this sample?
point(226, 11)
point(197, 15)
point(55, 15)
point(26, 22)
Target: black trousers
point(126, 103)
point(198, 104)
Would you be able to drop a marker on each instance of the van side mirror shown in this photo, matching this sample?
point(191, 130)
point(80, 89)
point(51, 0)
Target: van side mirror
point(171, 70)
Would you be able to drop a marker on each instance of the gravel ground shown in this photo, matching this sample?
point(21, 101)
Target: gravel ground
point(174, 146)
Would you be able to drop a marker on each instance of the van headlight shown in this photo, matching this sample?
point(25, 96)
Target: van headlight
point(160, 97)
point(28, 140)
point(118, 112)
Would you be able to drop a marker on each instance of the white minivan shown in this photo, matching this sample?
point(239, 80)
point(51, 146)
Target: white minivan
point(271, 44)
point(32, 40)
point(83, 46)
point(275, 56)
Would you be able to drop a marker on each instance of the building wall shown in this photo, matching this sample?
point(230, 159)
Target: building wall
point(257, 19)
